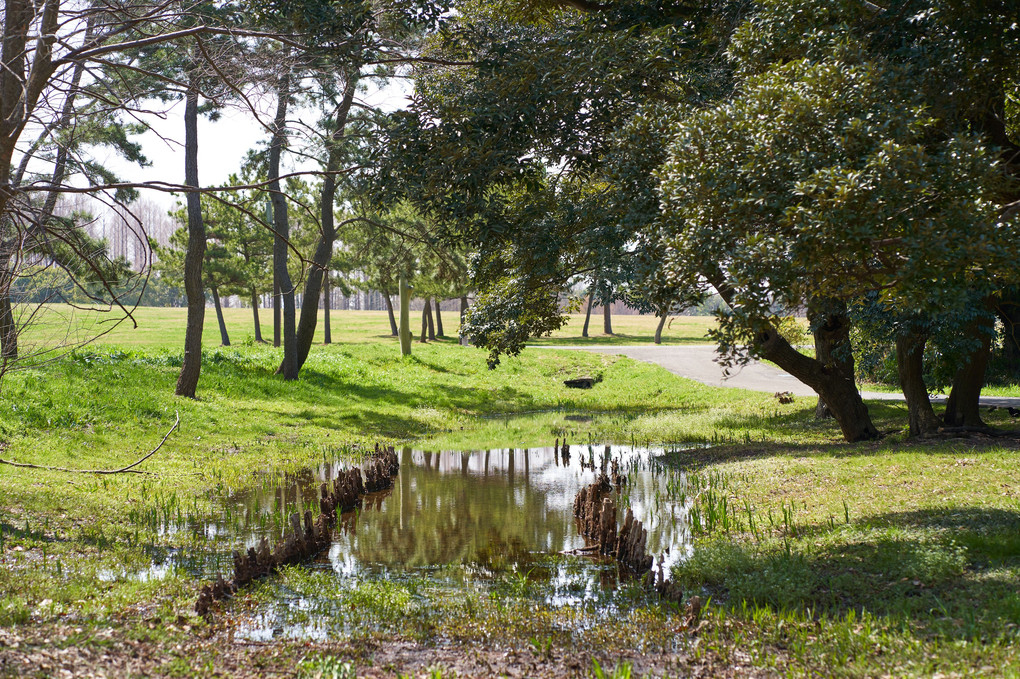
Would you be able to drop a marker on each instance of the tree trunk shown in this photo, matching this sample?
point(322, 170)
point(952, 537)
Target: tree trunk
point(910, 363)
point(323, 255)
point(587, 314)
point(405, 316)
point(832, 343)
point(8, 325)
point(224, 338)
point(281, 224)
point(191, 366)
point(255, 314)
point(463, 319)
point(276, 309)
point(424, 322)
point(963, 405)
point(439, 321)
point(660, 326)
point(327, 333)
point(393, 320)
point(607, 320)
point(838, 392)
point(8, 328)
point(428, 317)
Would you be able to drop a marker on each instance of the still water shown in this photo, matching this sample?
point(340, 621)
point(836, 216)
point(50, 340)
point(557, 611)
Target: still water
point(454, 521)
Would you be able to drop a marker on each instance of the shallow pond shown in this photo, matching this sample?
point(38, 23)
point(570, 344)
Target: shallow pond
point(492, 524)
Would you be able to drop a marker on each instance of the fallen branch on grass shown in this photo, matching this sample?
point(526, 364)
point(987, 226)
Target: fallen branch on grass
point(122, 470)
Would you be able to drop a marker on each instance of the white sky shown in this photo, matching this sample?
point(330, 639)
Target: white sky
point(223, 144)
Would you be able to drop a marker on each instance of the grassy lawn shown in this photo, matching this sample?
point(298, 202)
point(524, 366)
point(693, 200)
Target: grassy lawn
point(633, 329)
point(895, 558)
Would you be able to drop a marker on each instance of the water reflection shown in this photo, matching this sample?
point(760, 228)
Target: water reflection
point(489, 522)
point(495, 509)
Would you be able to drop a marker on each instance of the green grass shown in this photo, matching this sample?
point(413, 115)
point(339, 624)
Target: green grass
point(632, 329)
point(896, 557)
point(1001, 390)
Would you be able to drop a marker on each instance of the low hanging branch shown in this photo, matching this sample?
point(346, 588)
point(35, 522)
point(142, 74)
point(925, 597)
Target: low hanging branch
point(122, 470)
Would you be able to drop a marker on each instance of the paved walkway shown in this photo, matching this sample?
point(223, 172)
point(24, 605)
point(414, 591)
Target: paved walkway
point(696, 363)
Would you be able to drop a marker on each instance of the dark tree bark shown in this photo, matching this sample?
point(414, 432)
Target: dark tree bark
point(607, 319)
point(224, 338)
point(255, 314)
point(428, 317)
point(439, 321)
point(660, 326)
point(281, 224)
point(910, 363)
point(463, 319)
point(393, 318)
point(323, 255)
point(191, 367)
point(587, 314)
point(327, 334)
point(963, 405)
point(8, 328)
point(276, 309)
point(838, 392)
point(424, 323)
point(832, 343)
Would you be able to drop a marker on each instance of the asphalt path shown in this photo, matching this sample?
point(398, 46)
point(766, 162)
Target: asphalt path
point(697, 363)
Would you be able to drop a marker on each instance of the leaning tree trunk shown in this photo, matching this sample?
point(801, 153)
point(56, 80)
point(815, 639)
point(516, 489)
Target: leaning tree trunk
point(255, 314)
point(439, 321)
point(832, 343)
point(191, 367)
point(319, 268)
point(838, 392)
point(910, 363)
point(393, 319)
point(587, 314)
point(963, 405)
point(660, 326)
point(281, 224)
point(224, 338)
point(428, 317)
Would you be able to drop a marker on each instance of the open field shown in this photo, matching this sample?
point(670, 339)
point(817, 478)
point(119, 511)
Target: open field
point(895, 558)
point(163, 327)
point(633, 329)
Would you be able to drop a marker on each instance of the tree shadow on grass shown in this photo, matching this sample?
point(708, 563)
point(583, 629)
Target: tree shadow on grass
point(949, 573)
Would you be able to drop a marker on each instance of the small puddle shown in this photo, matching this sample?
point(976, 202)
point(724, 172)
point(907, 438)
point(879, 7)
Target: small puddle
point(491, 524)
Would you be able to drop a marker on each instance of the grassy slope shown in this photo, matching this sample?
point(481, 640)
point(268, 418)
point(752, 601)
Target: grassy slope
point(920, 579)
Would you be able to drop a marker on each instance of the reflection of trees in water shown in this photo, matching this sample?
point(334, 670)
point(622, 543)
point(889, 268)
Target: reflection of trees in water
point(487, 508)
point(442, 512)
